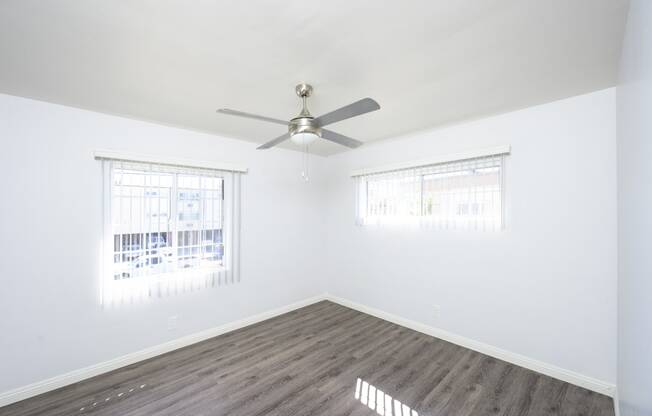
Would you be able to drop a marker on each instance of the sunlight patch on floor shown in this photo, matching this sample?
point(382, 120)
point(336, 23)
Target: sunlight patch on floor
point(378, 400)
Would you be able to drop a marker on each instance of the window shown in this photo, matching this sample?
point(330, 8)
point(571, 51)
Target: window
point(462, 194)
point(168, 229)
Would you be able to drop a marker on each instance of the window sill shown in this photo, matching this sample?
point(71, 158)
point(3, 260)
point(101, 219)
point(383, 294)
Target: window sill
point(174, 275)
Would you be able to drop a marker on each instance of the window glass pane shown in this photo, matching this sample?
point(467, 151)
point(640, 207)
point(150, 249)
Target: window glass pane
point(465, 193)
point(165, 222)
point(462, 193)
point(394, 196)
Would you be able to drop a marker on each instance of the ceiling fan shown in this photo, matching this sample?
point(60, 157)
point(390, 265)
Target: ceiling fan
point(305, 129)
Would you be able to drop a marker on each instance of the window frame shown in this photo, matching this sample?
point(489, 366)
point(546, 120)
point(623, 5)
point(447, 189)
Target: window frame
point(150, 285)
point(418, 171)
point(174, 229)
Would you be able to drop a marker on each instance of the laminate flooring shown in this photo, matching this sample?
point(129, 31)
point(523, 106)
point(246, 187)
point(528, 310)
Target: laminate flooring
point(324, 359)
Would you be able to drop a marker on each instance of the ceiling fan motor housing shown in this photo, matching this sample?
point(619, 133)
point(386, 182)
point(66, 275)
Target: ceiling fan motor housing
point(304, 125)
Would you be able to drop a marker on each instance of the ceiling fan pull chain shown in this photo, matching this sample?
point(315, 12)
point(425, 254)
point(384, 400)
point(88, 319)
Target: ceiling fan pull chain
point(305, 155)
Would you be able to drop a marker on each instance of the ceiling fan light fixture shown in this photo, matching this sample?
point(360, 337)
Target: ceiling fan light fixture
point(304, 139)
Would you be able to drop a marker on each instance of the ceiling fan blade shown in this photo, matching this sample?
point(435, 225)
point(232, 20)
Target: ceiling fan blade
point(248, 115)
point(340, 139)
point(274, 142)
point(357, 108)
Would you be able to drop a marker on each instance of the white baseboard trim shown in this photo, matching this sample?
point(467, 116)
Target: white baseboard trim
point(559, 373)
point(75, 376)
point(616, 402)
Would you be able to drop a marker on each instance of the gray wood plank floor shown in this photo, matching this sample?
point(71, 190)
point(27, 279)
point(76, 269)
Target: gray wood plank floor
point(323, 359)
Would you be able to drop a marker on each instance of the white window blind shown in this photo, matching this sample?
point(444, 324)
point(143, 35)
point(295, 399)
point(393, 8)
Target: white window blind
point(463, 194)
point(168, 229)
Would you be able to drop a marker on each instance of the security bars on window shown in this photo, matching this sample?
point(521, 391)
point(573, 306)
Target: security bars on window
point(168, 229)
point(466, 194)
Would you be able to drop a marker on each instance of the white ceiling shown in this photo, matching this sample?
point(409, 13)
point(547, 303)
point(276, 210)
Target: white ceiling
point(427, 63)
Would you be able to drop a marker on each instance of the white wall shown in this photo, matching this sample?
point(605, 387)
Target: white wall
point(50, 226)
point(545, 287)
point(634, 209)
